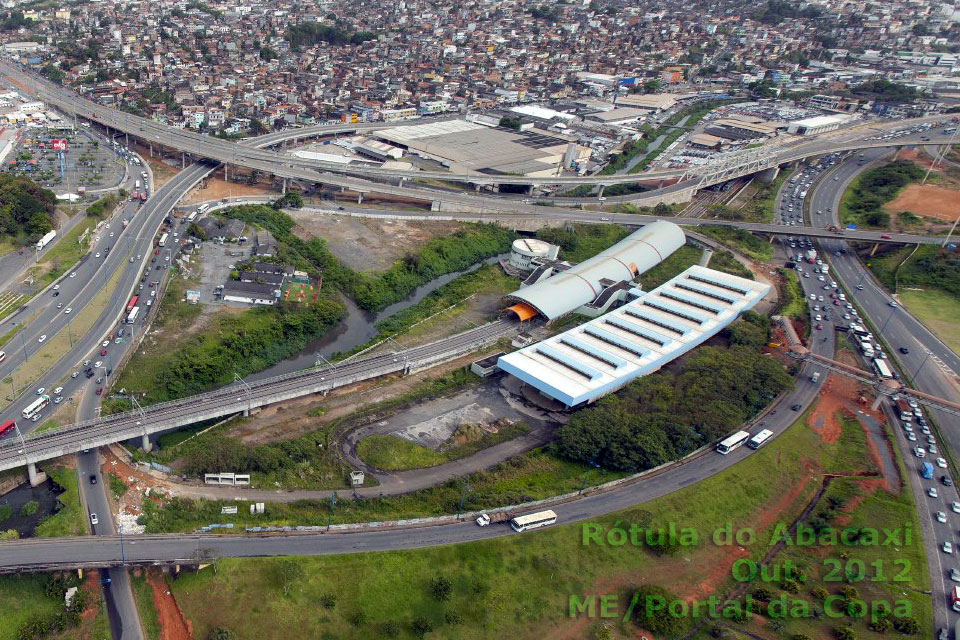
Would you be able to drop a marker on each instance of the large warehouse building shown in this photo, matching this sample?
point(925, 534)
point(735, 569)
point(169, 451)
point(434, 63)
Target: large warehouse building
point(601, 356)
point(471, 147)
point(582, 284)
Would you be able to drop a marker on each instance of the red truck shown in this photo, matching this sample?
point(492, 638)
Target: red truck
point(131, 304)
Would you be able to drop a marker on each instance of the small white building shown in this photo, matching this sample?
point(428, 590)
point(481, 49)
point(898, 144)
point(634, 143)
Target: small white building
point(526, 249)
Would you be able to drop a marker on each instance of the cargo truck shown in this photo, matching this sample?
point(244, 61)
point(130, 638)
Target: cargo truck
point(46, 239)
point(955, 598)
point(811, 256)
point(904, 411)
point(926, 470)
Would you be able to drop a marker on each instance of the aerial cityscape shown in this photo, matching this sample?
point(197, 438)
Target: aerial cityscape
point(495, 319)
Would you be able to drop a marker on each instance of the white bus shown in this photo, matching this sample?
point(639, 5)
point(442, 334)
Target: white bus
point(163, 240)
point(882, 369)
point(533, 520)
point(733, 442)
point(36, 407)
point(203, 208)
point(132, 316)
point(758, 440)
point(192, 216)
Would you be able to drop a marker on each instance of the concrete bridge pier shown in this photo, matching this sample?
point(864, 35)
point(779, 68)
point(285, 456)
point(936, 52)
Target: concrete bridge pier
point(600, 195)
point(36, 477)
point(183, 160)
point(359, 197)
point(768, 175)
point(876, 402)
point(145, 443)
point(283, 189)
point(402, 178)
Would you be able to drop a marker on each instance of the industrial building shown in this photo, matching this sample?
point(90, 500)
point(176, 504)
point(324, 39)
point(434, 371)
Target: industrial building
point(603, 355)
point(554, 291)
point(471, 147)
point(817, 124)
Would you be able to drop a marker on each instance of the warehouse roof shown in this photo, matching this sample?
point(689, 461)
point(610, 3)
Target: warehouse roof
point(603, 355)
point(580, 284)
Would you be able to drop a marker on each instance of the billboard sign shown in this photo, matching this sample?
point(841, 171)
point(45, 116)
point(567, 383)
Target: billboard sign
point(58, 145)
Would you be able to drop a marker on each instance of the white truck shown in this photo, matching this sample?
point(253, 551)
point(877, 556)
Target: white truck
point(815, 376)
point(46, 239)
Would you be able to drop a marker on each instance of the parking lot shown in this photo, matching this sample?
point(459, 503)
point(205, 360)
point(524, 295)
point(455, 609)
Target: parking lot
point(89, 161)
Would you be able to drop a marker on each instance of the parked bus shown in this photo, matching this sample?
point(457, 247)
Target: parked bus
point(533, 520)
point(758, 440)
point(192, 216)
point(882, 369)
point(36, 407)
point(163, 240)
point(132, 316)
point(7, 427)
point(202, 208)
point(131, 304)
point(733, 442)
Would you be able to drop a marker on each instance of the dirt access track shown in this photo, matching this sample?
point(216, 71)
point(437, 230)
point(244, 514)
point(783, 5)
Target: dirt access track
point(927, 200)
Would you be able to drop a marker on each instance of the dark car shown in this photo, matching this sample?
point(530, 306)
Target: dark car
point(93, 479)
point(904, 350)
point(56, 293)
point(796, 407)
point(103, 352)
point(99, 391)
point(946, 481)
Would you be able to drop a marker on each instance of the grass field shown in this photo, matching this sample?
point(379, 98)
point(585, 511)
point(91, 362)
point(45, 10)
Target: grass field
point(70, 520)
point(22, 597)
point(726, 262)
point(143, 596)
point(793, 303)
point(519, 587)
point(392, 453)
point(743, 242)
point(937, 310)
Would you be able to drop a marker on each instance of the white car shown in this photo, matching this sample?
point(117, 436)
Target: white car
point(40, 391)
point(93, 519)
point(58, 400)
point(73, 274)
point(42, 338)
point(955, 506)
point(98, 255)
point(67, 311)
point(932, 492)
point(58, 391)
point(106, 343)
point(56, 287)
point(919, 452)
point(941, 516)
point(111, 234)
point(947, 547)
point(941, 463)
point(483, 520)
point(955, 575)
point(98, 364)
point(813, 296)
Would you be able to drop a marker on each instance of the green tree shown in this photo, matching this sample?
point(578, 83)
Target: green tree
point(221, 633)
point(441, 588)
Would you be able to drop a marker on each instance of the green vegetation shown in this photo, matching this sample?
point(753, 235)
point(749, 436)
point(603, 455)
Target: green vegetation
point(29, 508)
point(103, 207)
point(117, 488)
point(776, 11)
point(63, 255)
point(883, 90)
point(793, 303)
point(862, 204)
point(518, 585)
point(307, 34)
point(583, 241)
point(392, 453)
point(437, 257)
point(660, 418)
point(69, 520)
point(684, 257)
point(510, 123)
point(728, 263)
point(534, 475)
point(937, 310)
point(26, 209)
point(741, 241)
point(235, 343)
point(30, 599)
point(486, 279)
point(143, 596)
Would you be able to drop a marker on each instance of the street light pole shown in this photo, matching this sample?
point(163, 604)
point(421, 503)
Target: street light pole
point(333, 501)
point(123, 559)
point(591, 465)
point(466, 488)
point(246, 387)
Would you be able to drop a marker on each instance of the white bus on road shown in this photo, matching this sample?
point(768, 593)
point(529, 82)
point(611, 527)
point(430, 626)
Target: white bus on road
point(533, 520)
point(758, 440)
point(882, 369)
point(36, 407)
point(733, 442)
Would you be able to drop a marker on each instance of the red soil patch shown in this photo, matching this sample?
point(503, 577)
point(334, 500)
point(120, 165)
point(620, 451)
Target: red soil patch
point(173, 626)
point(836, 392)
point(927, 200)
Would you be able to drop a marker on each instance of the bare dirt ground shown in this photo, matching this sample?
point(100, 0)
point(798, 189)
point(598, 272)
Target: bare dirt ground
point(162, 172)
point(289, 419)
point(823, 419)
point(365, 244)
point(173, 626)
point(927, 200)
point(215, 188)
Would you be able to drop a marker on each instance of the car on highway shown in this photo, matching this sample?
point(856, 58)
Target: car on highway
point(93, 479)
point(98, 255)
point(946, 481)
point(73, 274)
point(93, 519)
point(99, 391)
point(796, 407)
point(947, 547)
point(42, 338)
point(932, 492)
point(56, 287)
point(40, 391)
point(60, 306)
point(955, 575)
point(885, 236)
point(904, 350)
point(98, 364)
point(74, 374)
point(103, 352)
point(941, 516)
point(859, 287)
point(919, 452)
point(58, 391)
point(955, 506)
point(58, 400)
point(106, 343)
point(68, 311)
point(911, 437)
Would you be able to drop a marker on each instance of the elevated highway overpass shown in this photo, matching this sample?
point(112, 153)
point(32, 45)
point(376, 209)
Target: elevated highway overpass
point(253, 156)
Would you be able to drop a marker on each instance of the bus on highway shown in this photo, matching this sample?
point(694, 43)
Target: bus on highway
point(132, 316)
point(7, 427)
point(882, 369)
point(163, 240)
point(733, 442)
point(36, 407)
point(758, 440)
point(533, 520)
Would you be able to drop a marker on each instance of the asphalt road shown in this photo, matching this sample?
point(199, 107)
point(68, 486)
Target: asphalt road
point(899, 329)
point(76, 291)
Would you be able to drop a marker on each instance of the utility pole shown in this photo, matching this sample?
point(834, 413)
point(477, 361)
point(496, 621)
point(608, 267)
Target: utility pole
point(333, 501)
point(590, 465)
point(466, 488)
